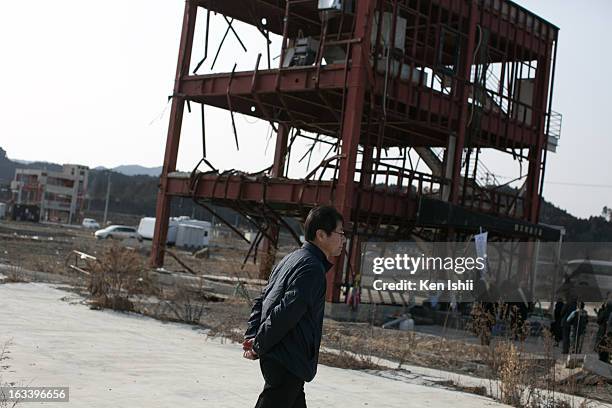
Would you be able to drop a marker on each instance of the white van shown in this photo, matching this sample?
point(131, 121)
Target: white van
point(196, 237)
point(146, 229)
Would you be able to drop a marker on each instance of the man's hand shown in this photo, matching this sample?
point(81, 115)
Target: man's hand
point(247, 346)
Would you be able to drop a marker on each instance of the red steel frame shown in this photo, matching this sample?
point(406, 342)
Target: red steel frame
point(334, 99)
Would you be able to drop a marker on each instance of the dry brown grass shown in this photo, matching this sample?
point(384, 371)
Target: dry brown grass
point(14, 274)
point(4, 352)
point(227, 319)
point(515, 377)
point(349, 361)
point(511, 371)
point(404, 347)
point(115, 276)
point(526, 380)
point(187, 303)
point(482, 323)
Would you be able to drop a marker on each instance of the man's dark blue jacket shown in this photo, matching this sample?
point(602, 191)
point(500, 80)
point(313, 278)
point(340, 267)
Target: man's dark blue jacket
point(287, 319)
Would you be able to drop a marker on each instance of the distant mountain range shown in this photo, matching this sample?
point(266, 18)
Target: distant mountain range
point(128, 170)
point(134, 170)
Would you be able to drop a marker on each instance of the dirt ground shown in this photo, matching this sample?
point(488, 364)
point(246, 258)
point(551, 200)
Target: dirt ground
point(49, 248)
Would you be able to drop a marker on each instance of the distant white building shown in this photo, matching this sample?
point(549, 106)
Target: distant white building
point(59, 195)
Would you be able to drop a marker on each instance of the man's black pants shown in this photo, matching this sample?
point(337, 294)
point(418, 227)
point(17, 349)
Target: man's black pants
point(282, 389)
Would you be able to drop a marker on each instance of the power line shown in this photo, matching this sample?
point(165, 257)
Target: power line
point(566, 183)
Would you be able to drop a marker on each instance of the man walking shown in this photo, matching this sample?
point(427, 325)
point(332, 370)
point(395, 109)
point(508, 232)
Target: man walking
point(285, 326)
point(603, 314)
point(578, 320)
point(566, 328)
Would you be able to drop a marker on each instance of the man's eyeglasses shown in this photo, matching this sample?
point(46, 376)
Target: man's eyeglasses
point(340, 233)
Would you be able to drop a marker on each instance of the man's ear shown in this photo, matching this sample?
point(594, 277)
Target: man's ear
point(320, 234)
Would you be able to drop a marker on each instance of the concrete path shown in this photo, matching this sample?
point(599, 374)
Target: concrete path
point(114, 360)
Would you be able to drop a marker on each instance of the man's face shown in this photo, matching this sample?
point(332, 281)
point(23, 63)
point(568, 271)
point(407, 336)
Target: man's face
point(333, 243)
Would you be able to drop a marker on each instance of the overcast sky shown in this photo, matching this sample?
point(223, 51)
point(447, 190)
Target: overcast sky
point(87, 82)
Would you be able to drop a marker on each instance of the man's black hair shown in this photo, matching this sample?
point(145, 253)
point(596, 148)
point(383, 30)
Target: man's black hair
point(324, 217)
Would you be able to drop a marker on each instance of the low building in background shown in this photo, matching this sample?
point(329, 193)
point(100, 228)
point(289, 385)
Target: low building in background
point(59, 196)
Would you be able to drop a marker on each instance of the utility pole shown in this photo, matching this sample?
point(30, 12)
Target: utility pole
point(42, 204)
point(108, 187)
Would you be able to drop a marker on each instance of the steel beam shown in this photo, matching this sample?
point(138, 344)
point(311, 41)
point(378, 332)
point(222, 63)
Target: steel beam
point(268, 250)
point(162, 213)
point(288, 195)
point(351, 130)
point(465, 76)
point(536, 151)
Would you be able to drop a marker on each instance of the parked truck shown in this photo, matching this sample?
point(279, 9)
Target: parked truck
point(183, 232)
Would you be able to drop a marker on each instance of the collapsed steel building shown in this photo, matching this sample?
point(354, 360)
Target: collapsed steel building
point(445, 79)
